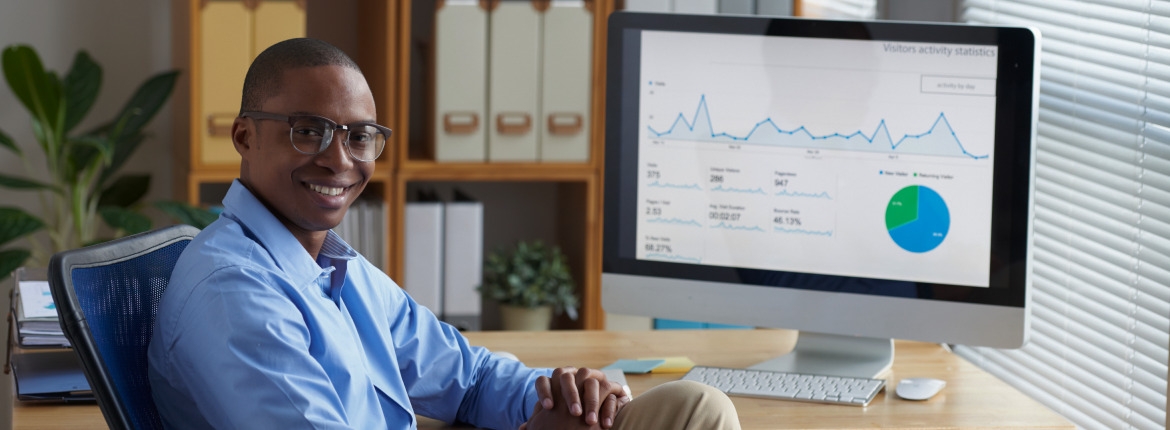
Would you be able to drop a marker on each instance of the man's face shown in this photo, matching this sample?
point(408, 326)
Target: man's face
point(308, 193)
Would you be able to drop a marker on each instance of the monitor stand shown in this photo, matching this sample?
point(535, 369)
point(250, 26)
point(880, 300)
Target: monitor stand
point(830, 354)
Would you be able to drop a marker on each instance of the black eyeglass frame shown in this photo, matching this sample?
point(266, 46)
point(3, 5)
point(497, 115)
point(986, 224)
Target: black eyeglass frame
point(327, 139)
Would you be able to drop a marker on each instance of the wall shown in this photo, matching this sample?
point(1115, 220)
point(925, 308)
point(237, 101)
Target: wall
point(130, 39)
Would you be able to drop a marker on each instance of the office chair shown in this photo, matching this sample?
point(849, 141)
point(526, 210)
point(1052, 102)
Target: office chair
point(107, 296)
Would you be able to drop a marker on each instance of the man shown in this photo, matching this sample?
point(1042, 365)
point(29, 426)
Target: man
point(272, 321)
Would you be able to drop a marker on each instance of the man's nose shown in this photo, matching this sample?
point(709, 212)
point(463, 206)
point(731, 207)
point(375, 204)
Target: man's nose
point(336, 155)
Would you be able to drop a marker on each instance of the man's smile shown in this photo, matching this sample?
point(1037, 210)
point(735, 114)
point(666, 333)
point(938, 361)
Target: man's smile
point(329, 191)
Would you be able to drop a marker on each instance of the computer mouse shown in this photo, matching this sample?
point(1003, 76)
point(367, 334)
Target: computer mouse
point(919, 388)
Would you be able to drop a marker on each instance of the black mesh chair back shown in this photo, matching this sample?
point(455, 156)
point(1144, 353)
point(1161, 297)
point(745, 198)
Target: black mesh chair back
point(107, 297)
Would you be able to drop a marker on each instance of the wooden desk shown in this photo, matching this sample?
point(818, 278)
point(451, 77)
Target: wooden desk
point(972, 398)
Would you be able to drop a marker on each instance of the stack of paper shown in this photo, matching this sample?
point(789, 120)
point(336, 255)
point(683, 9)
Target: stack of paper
point(36, 315)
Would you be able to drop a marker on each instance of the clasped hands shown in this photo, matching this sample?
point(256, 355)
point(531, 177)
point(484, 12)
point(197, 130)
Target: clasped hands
point(587, 400)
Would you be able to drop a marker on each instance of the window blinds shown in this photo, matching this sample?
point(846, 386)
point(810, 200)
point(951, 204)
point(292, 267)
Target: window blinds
point(1101, 276)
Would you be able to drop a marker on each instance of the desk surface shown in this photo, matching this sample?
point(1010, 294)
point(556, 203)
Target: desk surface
point(972, 398)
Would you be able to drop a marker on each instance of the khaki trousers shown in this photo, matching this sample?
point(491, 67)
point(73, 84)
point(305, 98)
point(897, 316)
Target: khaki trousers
point(679, 405)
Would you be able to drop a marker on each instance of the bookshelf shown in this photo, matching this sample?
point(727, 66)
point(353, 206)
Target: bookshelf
point(391, 42)
point(571, 190)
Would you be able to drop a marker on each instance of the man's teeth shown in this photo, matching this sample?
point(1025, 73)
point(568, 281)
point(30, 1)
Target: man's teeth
point(329, 191)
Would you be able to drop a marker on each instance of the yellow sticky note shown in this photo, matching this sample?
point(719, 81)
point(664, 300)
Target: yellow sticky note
point(672, 364)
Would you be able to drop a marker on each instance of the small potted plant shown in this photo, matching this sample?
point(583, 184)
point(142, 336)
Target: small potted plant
point(530, 282)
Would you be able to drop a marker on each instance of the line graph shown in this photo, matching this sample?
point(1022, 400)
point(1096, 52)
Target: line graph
point(821, 195)
point(740, 190)
point(827, 233)
point(726, 226)
point(691, 186)
point(940, 139)
point(662, 256)
point(678, 221)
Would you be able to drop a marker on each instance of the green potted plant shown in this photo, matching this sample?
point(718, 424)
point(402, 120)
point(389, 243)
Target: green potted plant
point(530, 282)
point(83, 188)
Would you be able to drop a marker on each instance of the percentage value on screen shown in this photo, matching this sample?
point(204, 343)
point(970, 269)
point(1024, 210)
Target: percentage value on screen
point(786, 220)
point(658, 247)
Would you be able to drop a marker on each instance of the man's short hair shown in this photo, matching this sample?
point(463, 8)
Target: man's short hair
point(263, 78)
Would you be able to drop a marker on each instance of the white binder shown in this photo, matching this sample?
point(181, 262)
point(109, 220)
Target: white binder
point(460, 81)
point(566, 70)
point(774, 7)
point(463, 264)
point(696, 6)
point(739, 7)
point(423, 254)
point(650, 5)
point(514, 71)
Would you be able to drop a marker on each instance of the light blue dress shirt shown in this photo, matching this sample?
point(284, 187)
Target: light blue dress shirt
point(252, 333)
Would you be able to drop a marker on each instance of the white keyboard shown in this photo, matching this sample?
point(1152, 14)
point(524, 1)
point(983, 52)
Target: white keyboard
point(788, 386)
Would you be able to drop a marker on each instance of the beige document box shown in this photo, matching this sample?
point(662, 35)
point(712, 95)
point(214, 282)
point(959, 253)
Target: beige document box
point(460, 85)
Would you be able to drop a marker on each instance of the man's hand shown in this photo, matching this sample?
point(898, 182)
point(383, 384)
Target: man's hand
point(588, 400)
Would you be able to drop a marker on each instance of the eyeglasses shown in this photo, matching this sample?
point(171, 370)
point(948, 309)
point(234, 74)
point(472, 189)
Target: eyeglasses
point(310, 134)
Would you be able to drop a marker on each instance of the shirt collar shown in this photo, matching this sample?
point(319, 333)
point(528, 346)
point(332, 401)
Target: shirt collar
point(288, 253)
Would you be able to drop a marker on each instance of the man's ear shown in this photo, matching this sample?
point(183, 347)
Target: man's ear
point(243, 135)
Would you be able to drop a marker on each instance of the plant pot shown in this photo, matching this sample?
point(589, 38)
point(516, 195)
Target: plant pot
point(520, 318)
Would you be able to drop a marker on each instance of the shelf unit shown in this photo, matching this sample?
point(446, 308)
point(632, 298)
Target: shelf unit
point(386, 46)
point(578, 201)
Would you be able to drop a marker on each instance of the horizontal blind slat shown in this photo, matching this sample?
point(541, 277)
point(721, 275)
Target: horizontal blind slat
point(1145, 324)
point(1047, 18)
point(1103, 194)
point(1107, 265)
point(1117, 97)
point(1107, 378)
point(1117, 379)
point(1023, 365)
point(1150, 315)
point(1128, 125)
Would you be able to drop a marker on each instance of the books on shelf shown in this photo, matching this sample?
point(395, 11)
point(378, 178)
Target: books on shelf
point(365, 228)
point(35, 313)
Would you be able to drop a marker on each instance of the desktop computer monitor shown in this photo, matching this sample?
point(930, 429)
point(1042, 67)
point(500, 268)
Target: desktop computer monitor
point(856, 181)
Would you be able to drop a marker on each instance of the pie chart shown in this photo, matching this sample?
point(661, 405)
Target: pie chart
point(917, 219)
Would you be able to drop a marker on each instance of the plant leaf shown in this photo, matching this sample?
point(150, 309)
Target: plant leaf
point(23, 184)
point(7, 142)
point(187, 214)
point(124, 219)
point(81, 89)
point(16, 223)
point(143, 105)
point(90, 151)
point(38, 90)
point(121, 151)
point(125, 191)
point(10, 259)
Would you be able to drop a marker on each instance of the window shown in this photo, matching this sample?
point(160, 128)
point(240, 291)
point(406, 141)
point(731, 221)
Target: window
point(1101, 274)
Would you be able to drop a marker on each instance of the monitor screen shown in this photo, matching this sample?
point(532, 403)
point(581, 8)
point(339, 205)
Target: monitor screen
point(866, 179)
